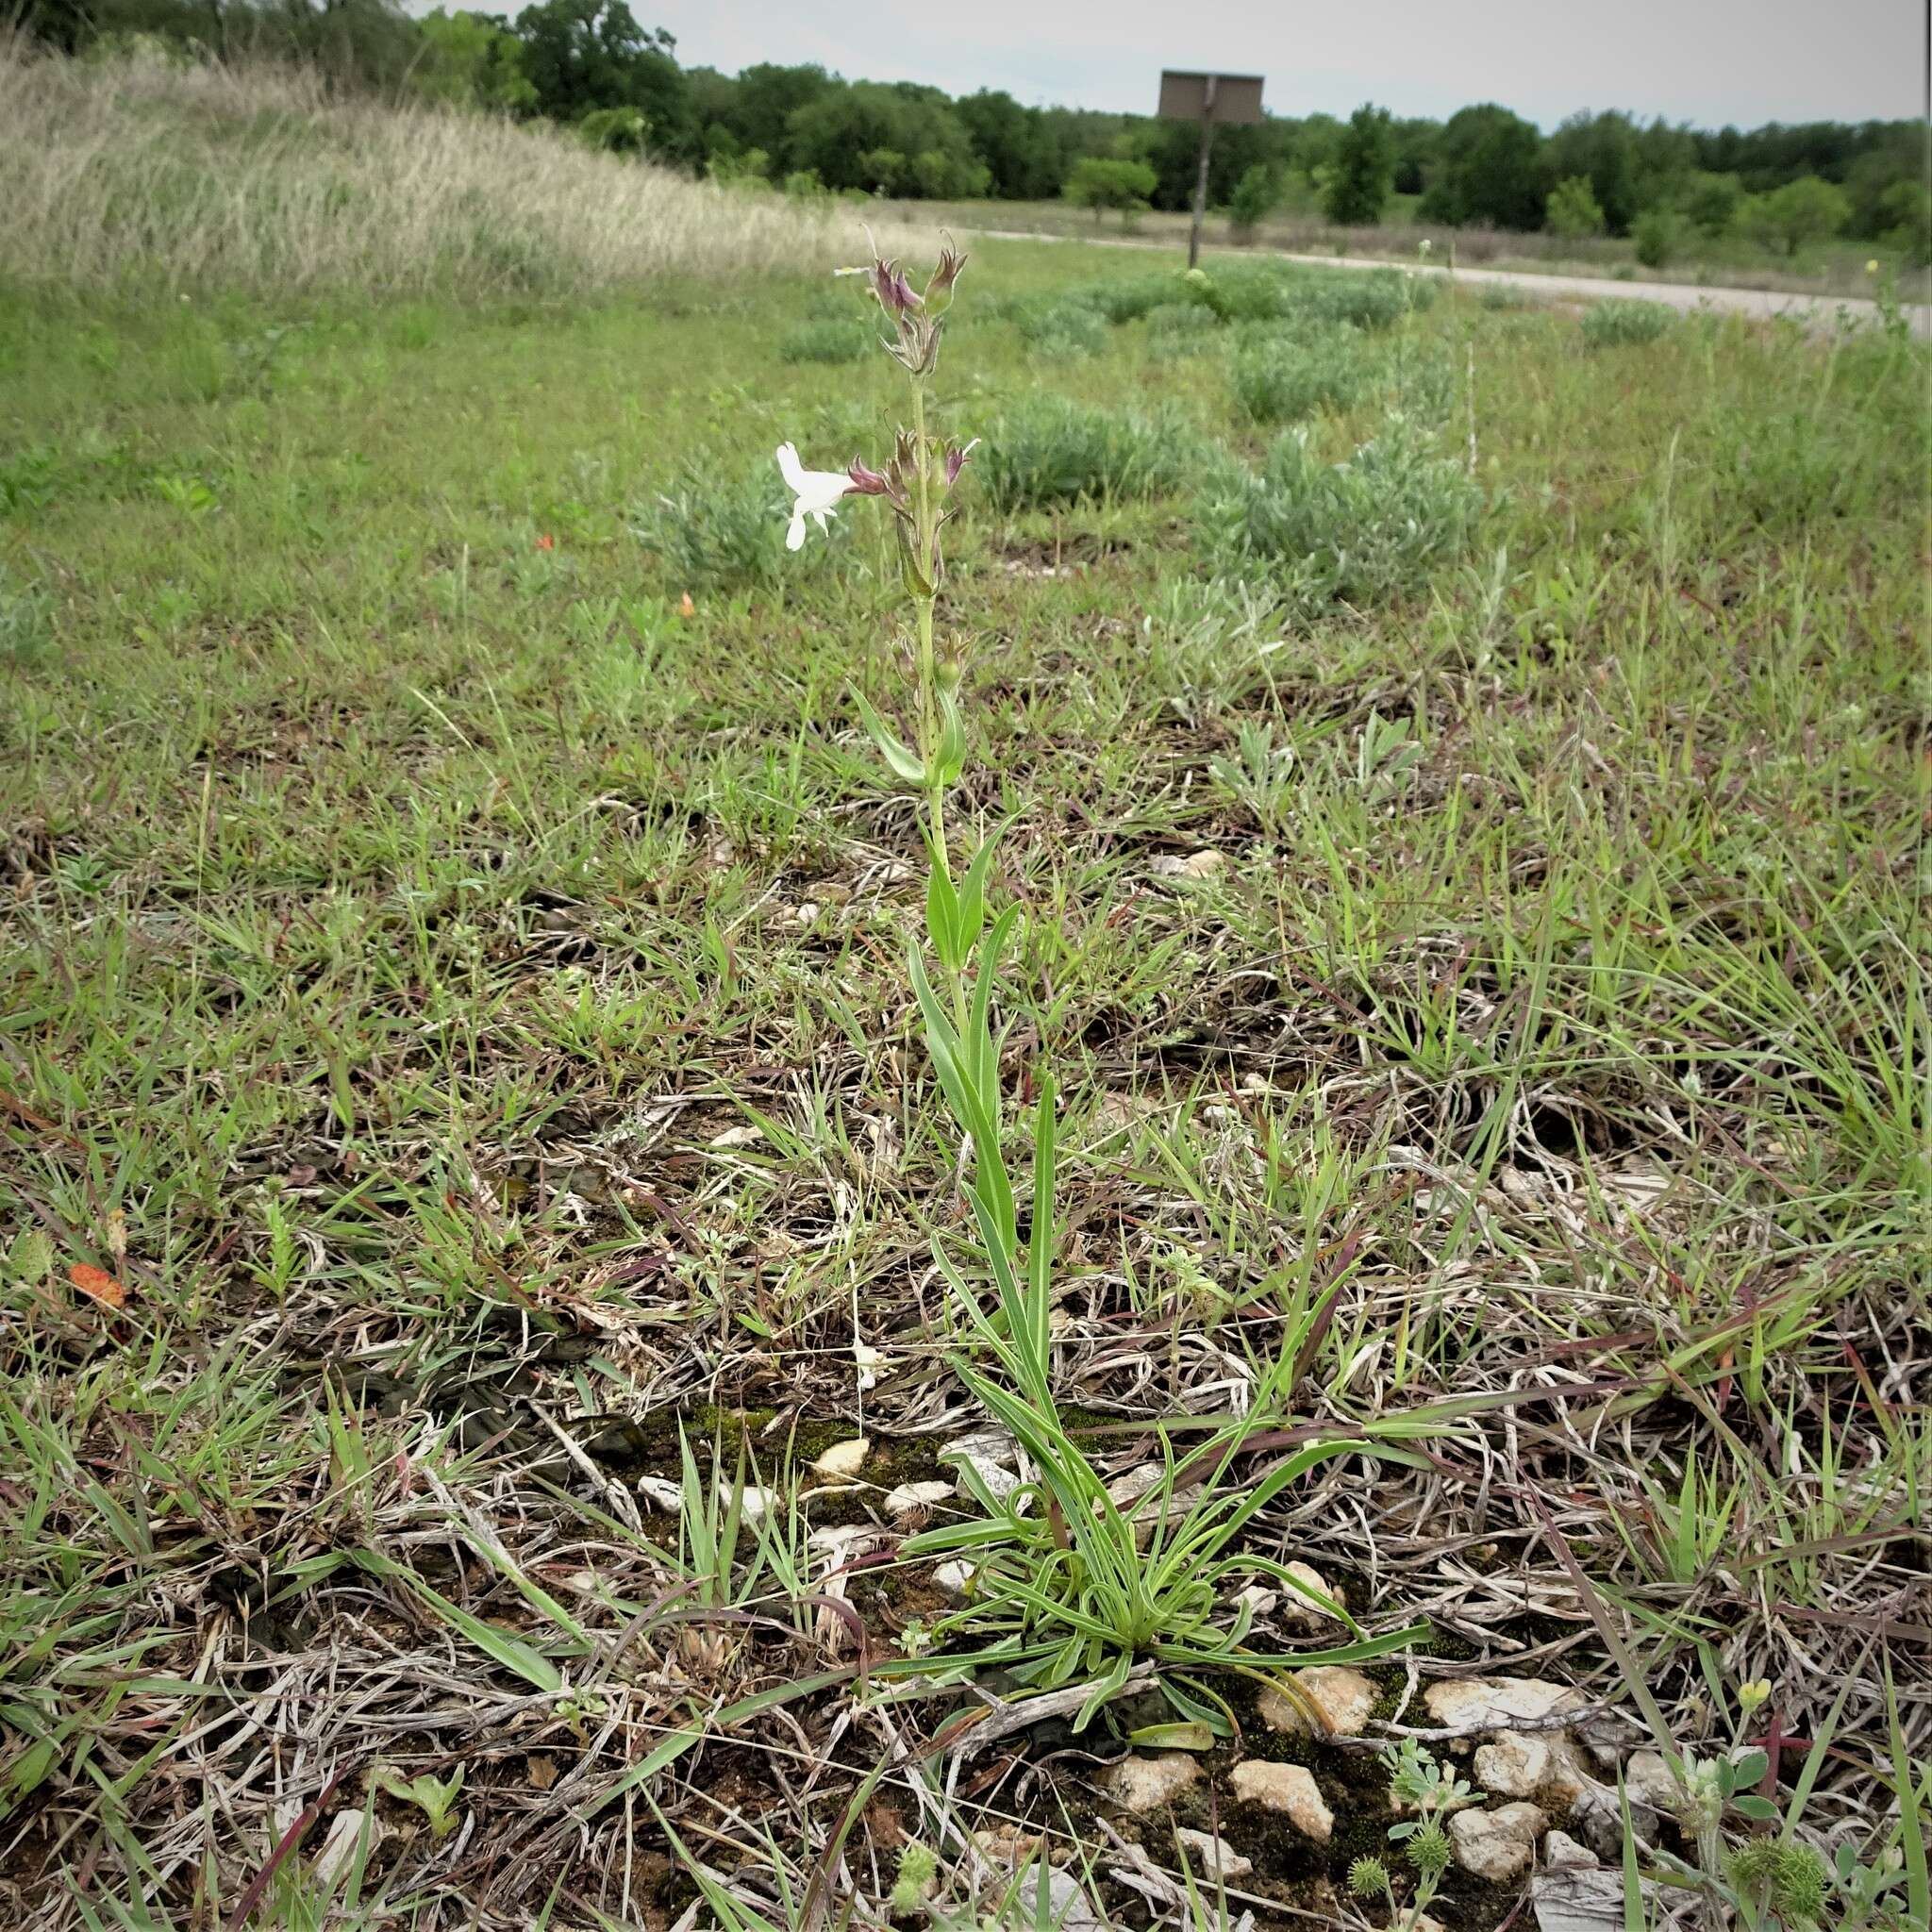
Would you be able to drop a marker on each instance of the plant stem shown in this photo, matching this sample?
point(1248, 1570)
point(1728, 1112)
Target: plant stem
point(928, 706)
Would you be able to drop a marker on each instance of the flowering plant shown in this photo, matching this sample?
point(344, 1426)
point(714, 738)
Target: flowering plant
point(1067, 1581)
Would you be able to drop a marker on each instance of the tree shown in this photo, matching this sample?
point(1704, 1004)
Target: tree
point(1806, 209)
point(1364, 164)
point(472, 61)
point(1906, 211)
point(1711, 201)
point(1573, 209)
point(1256, 194)
point(1416, 147)
point(1099, 184)
point(1602, 150)
point(882, 169)
point(1490, 171)
point(615, 130)
point(833, 133)
point(1020, 147)
point(582, 55)
point(1658, 234)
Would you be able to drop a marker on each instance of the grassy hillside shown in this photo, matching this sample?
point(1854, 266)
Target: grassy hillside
point(1463, 768)
point(145, 169)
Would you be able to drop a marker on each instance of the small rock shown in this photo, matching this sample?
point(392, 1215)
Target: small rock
point(1066, 1906)
point(1128, 1489)
point(1006, 1845)
point(1216, 1857)
point(990, 1454)
point(1597, 1819)
point(840, 1543)
point(911, 1498)
point(1288, 1788)
point(1499, 1846)
point(953, 1578)
point(736, 1137)
point(1547, 1768)
point(752, 1503)
point(1470, 1704)
point(661, 1492)
point(1297, 1611)
point(1339, 1700)
point(1192, 865)
point(1562, 1852)
point(1144, 1783)
point(1649, 1781)
point(844, 1458)
point(1425, 1924)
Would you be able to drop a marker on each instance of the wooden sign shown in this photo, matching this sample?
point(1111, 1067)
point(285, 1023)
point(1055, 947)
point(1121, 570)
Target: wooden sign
point(1236, 98)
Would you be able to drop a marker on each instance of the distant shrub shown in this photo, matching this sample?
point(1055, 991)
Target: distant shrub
point(1616, 325)
point(1053, 450)
point(1283, 379)
point(1362, 531)
point(1572, 210)
point(1252, 291)
point(1255, 196)
point(1065, 328)
point(1206, 294)
point(828, 341)
point(1099, 183)
point(802, 184)
point(1806, 209)
point(1129, 299)
point(1378, 300)
point(1658, 233)
point(1183, 328)
point(614, 130)
point(726, 532)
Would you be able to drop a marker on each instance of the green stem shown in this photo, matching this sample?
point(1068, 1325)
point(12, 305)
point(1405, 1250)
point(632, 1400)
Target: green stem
point(928, 703)
point(928, 681)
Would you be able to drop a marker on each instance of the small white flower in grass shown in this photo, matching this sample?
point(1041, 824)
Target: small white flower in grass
point(818, 492)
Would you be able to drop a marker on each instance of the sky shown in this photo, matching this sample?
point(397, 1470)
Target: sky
point(1705, 61)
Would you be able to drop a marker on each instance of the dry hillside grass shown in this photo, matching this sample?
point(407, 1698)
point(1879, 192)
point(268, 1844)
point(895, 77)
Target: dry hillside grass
point(259, 177)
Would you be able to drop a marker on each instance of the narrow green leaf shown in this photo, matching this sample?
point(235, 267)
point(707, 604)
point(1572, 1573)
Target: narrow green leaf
point(906, 763)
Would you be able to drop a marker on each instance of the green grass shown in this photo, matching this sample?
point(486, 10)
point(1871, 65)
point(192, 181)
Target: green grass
point(459, 991)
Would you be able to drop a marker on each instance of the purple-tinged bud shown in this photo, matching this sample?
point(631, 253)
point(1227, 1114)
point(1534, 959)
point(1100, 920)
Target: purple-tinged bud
point(894, 290)
point(956, 460)
point(867, 482)
point(945, 273)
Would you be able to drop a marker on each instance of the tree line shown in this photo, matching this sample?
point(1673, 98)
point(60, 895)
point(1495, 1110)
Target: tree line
point(591, 65)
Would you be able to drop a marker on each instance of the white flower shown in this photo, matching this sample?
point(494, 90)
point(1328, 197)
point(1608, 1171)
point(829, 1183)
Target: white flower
point(818, 492)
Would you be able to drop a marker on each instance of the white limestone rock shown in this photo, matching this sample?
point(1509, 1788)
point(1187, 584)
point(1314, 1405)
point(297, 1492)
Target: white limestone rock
point(1139, 1783)
point(1499, 1846)
point(1339, 1698)
point(1288, 1788)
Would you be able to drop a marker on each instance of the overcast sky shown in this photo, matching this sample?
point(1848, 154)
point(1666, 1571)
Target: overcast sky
point(1708, 61)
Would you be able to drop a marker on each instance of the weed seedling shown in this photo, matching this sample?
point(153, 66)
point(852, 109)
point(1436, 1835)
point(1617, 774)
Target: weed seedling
point(1418, 1784)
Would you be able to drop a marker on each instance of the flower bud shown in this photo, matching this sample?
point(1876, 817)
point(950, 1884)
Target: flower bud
point(894, 290)
point(867, 482)
point(956, 459)
point(945, 273)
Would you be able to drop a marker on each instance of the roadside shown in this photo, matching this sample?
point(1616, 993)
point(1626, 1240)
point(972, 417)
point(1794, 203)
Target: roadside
point(1813, 311)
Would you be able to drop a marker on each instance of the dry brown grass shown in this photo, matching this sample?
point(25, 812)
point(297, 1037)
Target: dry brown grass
point(136, 170)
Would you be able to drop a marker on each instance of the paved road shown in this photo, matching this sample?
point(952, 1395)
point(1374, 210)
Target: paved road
point(1814, 311)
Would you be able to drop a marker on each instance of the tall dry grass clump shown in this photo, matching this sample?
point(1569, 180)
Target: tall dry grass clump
point(142, 168)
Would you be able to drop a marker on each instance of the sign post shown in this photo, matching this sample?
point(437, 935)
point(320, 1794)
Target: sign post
point(1215, 100)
